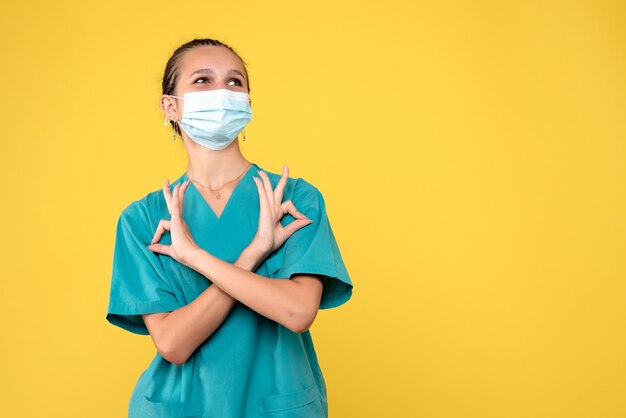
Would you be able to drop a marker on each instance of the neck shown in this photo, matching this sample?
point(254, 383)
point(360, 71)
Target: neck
point(214, 168)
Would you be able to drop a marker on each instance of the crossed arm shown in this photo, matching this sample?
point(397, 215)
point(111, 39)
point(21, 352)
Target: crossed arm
point(290, 302)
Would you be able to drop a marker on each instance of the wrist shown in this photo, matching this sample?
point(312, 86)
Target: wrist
point(192, 258)
point(251, 257)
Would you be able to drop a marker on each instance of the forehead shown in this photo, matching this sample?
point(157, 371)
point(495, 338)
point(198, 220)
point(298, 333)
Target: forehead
point(209, 56)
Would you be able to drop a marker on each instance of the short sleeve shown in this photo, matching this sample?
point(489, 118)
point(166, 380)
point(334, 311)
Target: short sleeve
point(314, 250)
point(139, 284)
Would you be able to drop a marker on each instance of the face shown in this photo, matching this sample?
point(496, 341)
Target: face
point(202, 68)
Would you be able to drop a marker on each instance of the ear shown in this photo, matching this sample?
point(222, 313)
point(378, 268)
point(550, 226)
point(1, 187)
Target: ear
point(169, 107)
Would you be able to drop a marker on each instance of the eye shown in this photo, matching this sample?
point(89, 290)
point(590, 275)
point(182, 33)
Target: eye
point(236, 80)
point(201, 78)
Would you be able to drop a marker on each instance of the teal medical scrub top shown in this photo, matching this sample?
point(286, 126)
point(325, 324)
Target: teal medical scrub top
point(251, 366)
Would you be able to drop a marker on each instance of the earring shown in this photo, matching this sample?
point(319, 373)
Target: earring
point(244, 134)
point(165, 123)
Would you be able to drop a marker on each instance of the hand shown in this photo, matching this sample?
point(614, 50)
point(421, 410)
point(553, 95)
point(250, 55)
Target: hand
point(271, 234)
point(183, 244)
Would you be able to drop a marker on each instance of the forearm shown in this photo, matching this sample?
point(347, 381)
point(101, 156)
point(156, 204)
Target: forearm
point(177, 334)
point(282, 300)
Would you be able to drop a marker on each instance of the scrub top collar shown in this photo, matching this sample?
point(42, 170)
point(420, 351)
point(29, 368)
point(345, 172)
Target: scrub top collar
point(243, 186)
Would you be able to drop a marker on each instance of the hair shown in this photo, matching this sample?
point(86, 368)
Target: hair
point(170, 76)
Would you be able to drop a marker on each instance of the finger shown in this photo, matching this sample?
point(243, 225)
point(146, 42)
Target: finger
point(290, 208)
point(262, 195)
point(175, 209)
point(168, 195)
point(280, 187)
point(161, 249)
point(269, 192)
point(164, 225)
point(264, 188)
point(182, 191)
point(295, 225)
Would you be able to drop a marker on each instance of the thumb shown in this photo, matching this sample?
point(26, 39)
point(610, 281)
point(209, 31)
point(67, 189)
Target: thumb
point(290, 208)
point(160, 248)
point(296, 225)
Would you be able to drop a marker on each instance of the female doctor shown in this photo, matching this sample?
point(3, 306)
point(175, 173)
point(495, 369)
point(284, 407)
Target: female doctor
point(227, 266)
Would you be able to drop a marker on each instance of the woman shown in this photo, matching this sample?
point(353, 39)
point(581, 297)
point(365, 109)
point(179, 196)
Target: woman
point(227, 269)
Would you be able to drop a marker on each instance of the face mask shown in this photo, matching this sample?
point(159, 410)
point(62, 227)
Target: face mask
point(214, 118)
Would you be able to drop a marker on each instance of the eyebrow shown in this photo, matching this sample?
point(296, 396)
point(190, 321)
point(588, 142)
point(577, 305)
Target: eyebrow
point(210, 70)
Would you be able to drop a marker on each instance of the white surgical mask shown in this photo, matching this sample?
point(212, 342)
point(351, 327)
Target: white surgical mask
point(214, 118)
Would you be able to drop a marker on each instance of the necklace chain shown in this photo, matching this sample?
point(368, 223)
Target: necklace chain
point(222, 186)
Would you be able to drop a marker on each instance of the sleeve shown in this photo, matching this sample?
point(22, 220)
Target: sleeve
point(139, 285)
point(314, 250)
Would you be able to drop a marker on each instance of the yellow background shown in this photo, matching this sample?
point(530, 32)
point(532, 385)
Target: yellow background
point(472, 156)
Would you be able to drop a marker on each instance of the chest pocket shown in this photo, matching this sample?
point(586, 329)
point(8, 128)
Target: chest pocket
point(305, 403)
point(171, 409)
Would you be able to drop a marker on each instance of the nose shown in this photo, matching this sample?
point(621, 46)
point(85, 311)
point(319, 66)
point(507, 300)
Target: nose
point(223, 84)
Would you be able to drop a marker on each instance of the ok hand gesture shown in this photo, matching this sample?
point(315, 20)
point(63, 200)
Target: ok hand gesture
point(183, 244)
point(270, 233)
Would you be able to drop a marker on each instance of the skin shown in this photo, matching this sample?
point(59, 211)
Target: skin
point(293, 302)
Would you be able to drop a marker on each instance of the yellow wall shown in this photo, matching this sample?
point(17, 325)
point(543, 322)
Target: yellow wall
point(472, 155)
